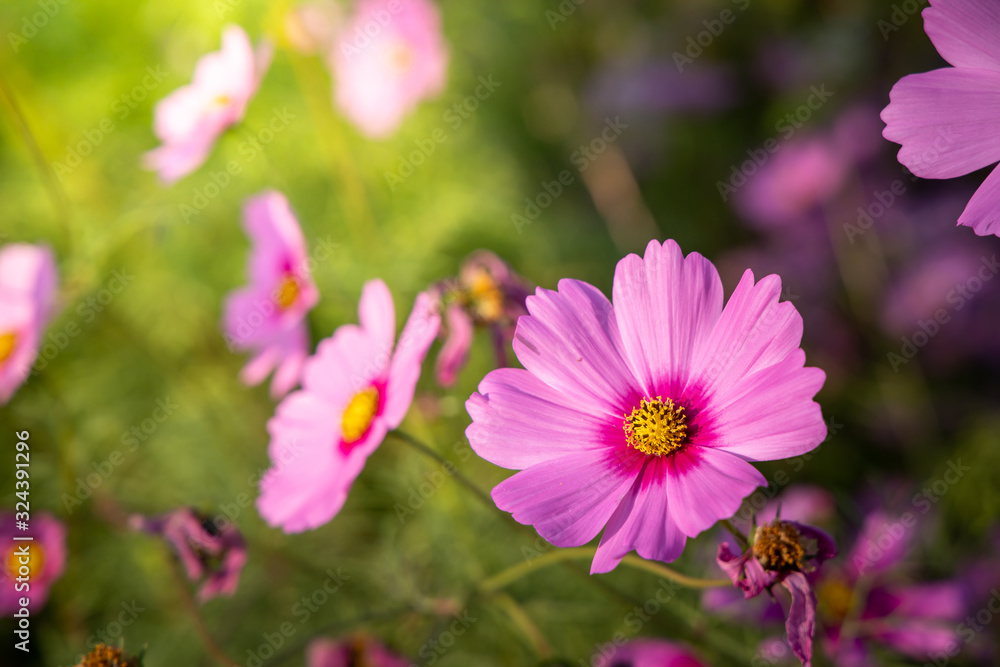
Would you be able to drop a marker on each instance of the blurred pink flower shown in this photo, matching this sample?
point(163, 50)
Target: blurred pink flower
point(28, 282)
point(356, 651)
point(486, 294)
point(268, 316)
point(212, 555)
point(189, 120)
point(46, 560)
point(786, 553)
point(643, 416)
point(649, 653)
point(355, 389)
point(389, 57)
point(803, 175)
point(943, 119)
point(915, 620)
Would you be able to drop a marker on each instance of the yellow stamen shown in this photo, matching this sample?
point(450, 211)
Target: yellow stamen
point(287, 292)
point(107, 656)
point(36, 559)
point(778, 546)
point(222, 100)
point(656, 427)
point(401, 56)
point(835, 598)
point(486, 296)
point(8, 342)
point(359, 414)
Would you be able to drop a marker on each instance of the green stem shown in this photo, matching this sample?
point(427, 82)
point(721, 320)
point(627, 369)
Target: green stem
point(740, 537)
point(453, 470)
point(515, 572)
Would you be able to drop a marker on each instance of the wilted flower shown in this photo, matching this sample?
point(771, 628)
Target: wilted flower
point(645, 415)
point(943, 118)
point(486, 294)
point(108, 656)
point(388, 57)
point(649, 653)
point(189, 120)
point(28, 283)
point(783, 552)
point(39, 568)
point(211, 555)
point(355, 389)
point(268, 316)
point(356, 651)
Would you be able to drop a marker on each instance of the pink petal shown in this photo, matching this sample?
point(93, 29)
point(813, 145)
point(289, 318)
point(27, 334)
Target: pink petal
point(769, 414)
point(419, 332)
point(705, 485)
point(347, 362)
point(801, 621)
point(982, 213)
point(377, 315)
point(965, 32)
point(944, 120)
point(519, 421)
point(569, 499)
point(643, 521)
point(456, 346)
point(882, 544)
point(570, 341)
point(664, 303)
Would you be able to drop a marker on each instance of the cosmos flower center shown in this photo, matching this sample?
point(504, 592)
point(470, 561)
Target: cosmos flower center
point(36, 558)
point(359, 414)
point(400, 56)
point(107, 656)
point(486, 296)
point(656, 427)
point(836, 598)
point(287, 292)
point(221, 100)
point(778, 547)
point(8, 342)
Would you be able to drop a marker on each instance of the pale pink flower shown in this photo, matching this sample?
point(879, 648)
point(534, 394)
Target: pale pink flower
point(189, 120)
point(643, 416)
point(268, 316)
point(46, 560)
point(28, 282)
point(355, 389)
point(389, 57)
point(357, 651)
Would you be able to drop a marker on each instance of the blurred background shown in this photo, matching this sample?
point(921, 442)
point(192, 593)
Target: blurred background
point(661, 120)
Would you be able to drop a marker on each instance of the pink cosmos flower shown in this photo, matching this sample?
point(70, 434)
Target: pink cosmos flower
point(917, 620)
point(268, 316)
point(28, 284)
point(649, 653)
point(189, 120)
point(46, 560)
point(786, 553)
point(642, 415)
point(390, 56)
point(355, 390)
point(944, 118)
point(351, 651)
point(487, 294)
point(212, 555)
